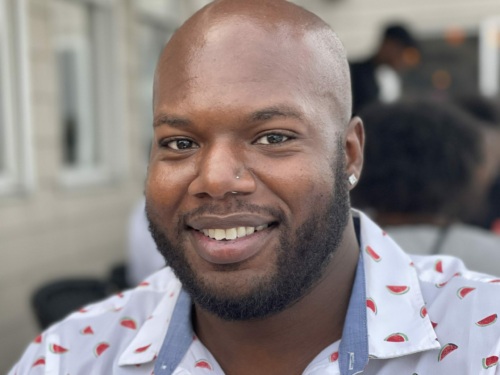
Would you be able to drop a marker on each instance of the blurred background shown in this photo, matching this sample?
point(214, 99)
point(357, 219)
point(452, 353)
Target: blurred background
point(75, 119)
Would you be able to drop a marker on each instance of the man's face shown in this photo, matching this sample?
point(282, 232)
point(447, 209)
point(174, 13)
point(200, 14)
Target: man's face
point(246, 190)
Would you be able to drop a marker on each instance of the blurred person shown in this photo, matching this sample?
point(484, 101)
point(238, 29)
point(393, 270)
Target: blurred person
point(422, 161)
point(376, 78)
point(487, 111)
point(247, 196)
point(143, 257)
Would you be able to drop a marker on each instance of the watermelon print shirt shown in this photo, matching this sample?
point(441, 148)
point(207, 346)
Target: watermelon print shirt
point(425, 315)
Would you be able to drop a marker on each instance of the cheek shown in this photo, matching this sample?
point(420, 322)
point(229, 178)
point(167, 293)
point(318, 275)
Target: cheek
point(303, 186)
point(166, 187)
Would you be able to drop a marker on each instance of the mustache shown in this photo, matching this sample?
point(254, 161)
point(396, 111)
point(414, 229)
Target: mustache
point(235, 206)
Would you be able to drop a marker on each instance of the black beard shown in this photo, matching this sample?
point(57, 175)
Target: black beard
point(301, 260)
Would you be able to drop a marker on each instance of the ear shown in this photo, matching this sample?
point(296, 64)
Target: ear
point(354, 145)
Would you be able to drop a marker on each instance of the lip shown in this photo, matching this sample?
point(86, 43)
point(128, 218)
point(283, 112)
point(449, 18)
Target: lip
point(233, 251)
point(228, 221)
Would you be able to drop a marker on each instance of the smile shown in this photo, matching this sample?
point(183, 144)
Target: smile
point(232, 233)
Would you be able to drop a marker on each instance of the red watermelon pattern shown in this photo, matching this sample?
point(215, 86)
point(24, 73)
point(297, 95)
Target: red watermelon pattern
point(401, 312)
point(39, 362)
point(100, 348)
point(445, 350)
point(438, 266)
point(203, 364)
point(490, 362)
point(370, 303)
point(464, 291)
point(398, 289)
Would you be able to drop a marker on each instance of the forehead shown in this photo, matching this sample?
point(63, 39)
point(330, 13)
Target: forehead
point(238, 61)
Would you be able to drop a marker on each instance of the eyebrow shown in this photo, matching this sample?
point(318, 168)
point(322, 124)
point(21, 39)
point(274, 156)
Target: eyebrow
point(275, 111)
point(264, 114)
point(175, 122)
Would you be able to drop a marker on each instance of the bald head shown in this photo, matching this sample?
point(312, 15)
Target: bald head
point(264, 36)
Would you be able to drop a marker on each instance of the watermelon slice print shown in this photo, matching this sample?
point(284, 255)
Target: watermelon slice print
point(39, 362)
point(490, 361)
point(438, 266)
point(38, 339)
point(423, 312)
point(489, 320)
point(128, 323)
point(462, 292)
point(57, 349)
point(398, 289)
point(142, 349)
point(100, 348)
point(87, 331)
point(203, 364)
point(445, 350)
point(334, 357)
point(373, 254)
point(396, 337)
point(370, 303)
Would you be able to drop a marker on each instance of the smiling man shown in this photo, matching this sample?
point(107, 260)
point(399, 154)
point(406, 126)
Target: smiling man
point(247, 195)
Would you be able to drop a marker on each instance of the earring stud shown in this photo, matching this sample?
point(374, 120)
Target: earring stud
point(353, 179)
point(237, 177)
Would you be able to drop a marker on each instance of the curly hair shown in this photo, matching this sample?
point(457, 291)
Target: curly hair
point(420, 158)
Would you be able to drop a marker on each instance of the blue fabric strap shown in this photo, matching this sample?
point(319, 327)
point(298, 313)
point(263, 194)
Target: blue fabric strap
point(178, 339)
point(353, 350)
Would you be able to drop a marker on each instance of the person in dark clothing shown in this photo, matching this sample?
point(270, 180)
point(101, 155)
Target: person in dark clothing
point(398, 50)
point(487, 111)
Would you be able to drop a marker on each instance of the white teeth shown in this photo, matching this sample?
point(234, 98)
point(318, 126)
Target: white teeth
point(241, 232)
point(231, 233)
point(220, 234)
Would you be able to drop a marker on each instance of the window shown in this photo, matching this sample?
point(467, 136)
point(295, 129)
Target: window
point(86, 71)
point(156, 24)
point(16, 174)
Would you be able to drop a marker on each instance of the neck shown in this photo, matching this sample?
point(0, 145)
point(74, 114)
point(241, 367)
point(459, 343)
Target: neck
point(286, 342)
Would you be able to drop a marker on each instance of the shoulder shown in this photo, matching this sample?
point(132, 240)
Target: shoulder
point(103, 329)
point(462, 305)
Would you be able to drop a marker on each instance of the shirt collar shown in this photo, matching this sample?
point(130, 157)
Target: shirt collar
point(147, 343)
point(397, 318)
point(386, 315)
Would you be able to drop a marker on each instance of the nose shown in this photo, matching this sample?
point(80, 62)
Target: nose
point(221, 171)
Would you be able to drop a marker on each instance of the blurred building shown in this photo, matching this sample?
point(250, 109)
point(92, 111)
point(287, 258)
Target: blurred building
point(75, 122)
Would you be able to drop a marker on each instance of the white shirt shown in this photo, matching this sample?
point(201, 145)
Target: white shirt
point(425, 315)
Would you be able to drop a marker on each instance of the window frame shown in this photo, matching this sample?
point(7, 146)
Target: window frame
point(15, 118)
point(104, 86)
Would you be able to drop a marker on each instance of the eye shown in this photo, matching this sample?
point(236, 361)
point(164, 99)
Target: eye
point(178, 144)
point(272, 138)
